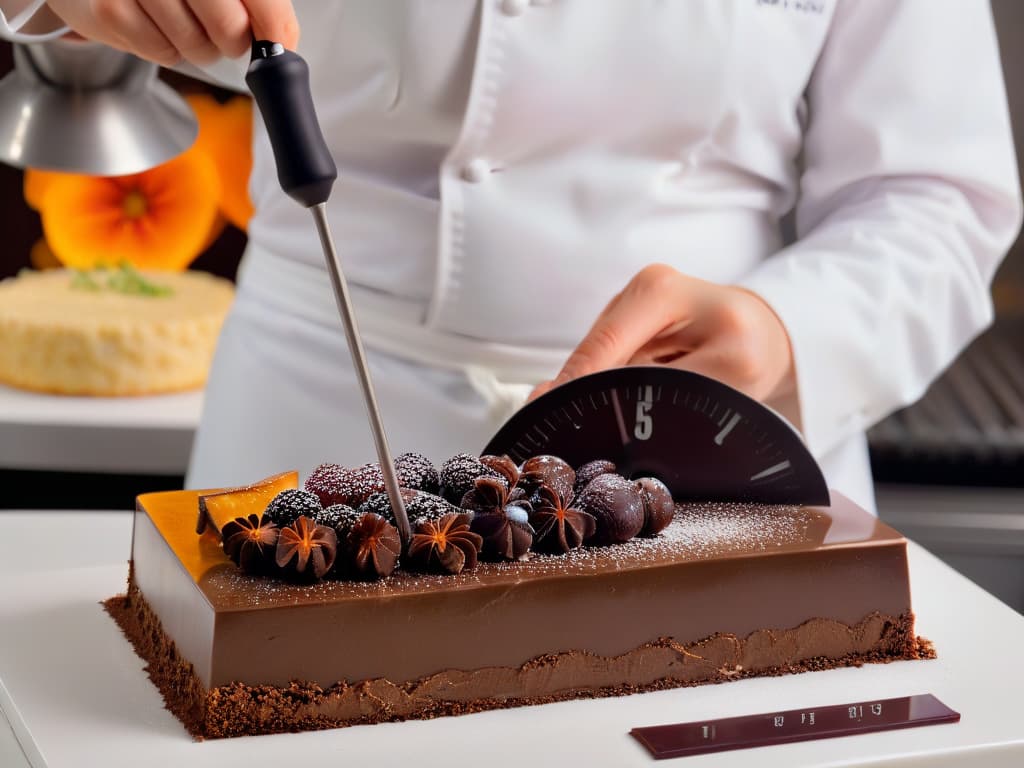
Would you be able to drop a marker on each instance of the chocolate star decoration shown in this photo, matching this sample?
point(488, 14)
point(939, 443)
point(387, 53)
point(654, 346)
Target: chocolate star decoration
point(306, 550)
point(250, 542)
point(559, 526)
point(373, 545)
point(501, 518)
point(445, 544)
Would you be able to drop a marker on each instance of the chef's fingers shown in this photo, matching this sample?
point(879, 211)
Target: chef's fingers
point(540, 389)
point(123, 25)
point(226, 23)
point(714, 363)
point(657, 300)
point(274, 20)
point(675, 341)
point(730, 363)
point(177, 22)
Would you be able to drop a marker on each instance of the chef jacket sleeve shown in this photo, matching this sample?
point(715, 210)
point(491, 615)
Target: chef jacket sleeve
point(909, 199)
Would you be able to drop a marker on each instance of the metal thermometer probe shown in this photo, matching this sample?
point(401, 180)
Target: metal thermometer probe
point(279, 81)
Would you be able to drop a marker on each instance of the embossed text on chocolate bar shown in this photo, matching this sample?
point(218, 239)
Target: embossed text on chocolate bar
point(700, 737)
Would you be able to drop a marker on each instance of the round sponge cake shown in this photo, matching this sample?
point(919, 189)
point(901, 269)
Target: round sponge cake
point(57, 337)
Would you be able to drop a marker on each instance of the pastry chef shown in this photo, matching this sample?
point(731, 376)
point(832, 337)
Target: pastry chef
point(530, 190)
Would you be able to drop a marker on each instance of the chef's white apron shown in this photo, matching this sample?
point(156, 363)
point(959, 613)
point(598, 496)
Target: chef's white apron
point(282, 369)
point(505, 167)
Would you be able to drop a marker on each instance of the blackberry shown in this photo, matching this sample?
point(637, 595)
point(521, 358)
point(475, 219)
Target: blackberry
point(460, 472)
point(363, 482)
point(428, 506)
point(330, 483)
point(336, 515)
point(288, 506)
point(380, 504)
point(416, 471)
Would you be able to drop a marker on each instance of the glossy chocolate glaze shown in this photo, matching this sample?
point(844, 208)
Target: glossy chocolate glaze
point(717, 569)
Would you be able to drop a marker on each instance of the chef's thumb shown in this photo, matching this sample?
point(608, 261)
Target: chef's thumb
point(274, 20)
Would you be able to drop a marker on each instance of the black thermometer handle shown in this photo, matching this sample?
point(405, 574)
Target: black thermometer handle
point(279, 81)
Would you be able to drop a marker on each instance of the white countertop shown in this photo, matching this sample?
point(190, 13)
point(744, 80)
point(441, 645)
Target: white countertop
point(76, 695)
point(145, 435)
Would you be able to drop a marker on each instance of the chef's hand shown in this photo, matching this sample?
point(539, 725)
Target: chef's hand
point(666, 317)
point(168, 31)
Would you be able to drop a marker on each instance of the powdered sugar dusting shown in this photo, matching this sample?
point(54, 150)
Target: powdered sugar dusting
point(698, 532)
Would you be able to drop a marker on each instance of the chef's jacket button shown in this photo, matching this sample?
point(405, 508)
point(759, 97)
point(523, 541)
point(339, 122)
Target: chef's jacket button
point(514, 7)
point(476, 170)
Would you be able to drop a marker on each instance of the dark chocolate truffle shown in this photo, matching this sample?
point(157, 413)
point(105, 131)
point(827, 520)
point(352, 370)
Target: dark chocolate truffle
point(504, 466)
point(550, 471)
point(590, 470)
point(616, 505)
point(658, 505)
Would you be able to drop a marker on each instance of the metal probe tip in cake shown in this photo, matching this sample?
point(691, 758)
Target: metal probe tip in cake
point(279, 81)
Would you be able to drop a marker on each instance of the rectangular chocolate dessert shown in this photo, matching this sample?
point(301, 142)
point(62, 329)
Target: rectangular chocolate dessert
point(726, 591)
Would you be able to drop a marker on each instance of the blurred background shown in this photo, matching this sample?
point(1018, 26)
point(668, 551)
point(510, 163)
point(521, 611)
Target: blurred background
point(949, 469)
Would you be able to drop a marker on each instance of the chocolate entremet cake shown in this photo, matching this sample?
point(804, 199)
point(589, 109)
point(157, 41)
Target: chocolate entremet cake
point(726, 591)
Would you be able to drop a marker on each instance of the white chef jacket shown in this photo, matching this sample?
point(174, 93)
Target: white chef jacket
point(505, 167)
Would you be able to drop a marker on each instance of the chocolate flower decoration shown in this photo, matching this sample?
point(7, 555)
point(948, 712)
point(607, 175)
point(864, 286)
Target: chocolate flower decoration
point(444, 545)
point(306, 549)
point(250, 542)
point(559, 526)
point(550, 471)
point(373, 545)
point(501, 518)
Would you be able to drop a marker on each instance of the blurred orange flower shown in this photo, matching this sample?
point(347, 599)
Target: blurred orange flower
point(159, 219)
point(225, 134)
point(41, 257)
point(162, 218)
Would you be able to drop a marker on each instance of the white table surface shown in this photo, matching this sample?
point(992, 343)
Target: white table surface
point(145, 435)
point(76, 695)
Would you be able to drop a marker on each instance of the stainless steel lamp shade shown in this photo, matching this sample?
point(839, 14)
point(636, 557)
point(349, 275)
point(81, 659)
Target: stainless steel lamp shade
point(83, 107)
